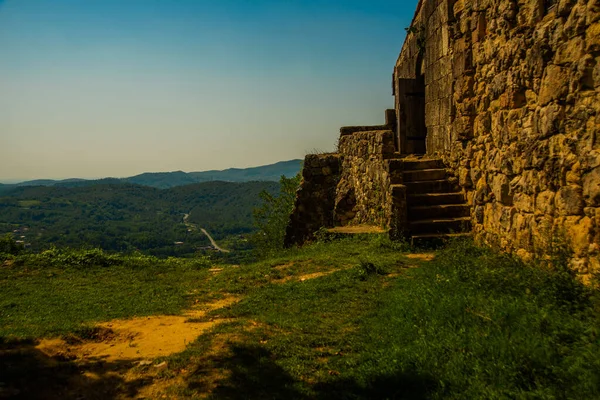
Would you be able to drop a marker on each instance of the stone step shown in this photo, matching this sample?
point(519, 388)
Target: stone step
point(411, 165)
point(356, 229)
point(431, 199)
point(424, 175)
point(440, 225)
point(395, 164)
point(438, 211)
point(395, 168)
point(398, 190)
point(436, 239)
point(437, 186)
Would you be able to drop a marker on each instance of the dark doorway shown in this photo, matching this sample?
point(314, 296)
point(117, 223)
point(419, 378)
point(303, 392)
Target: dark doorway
point(412, 130)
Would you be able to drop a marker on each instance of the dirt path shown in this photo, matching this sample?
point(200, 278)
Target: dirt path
point(123, 359)
point(194, 226)
point(137, 338)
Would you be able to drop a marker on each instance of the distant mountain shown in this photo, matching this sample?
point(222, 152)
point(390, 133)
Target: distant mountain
point(49, 182)
point(162, 180)
point(165, 180)
point(264, 173)
point(4, 188)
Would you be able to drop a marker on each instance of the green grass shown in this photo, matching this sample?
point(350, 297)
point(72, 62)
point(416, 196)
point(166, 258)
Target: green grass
point(60, 291)
point(470, 324)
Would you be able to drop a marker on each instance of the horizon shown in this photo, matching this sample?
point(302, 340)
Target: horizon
point(17, 181)
point(113, 89)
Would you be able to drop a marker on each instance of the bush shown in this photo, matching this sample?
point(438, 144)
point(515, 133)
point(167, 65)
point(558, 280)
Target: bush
point(70, 258)
point(9, 247)
point(272, 217)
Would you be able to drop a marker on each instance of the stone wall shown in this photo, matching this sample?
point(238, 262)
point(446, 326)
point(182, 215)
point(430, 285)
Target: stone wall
point(315, 200)
point(427, 52)
point(351, 187)
point(513, 107)
point(363, 193)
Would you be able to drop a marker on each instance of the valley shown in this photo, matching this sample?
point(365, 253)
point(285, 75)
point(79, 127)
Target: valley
point(130, 218)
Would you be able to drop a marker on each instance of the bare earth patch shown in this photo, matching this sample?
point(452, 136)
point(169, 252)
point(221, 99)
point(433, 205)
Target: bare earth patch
point(282, 267)
point(138, 338)
point(305, 277)
point(421, 256)
point(356, 229)
point(205, 373)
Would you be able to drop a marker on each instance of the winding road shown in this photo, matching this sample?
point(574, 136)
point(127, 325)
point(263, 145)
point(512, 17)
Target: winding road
point(193, 226)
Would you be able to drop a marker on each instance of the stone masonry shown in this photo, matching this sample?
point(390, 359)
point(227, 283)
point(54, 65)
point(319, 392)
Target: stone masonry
point(512, 106)
point(506, 93)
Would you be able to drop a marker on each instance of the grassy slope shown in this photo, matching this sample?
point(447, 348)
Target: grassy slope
point(470, 324)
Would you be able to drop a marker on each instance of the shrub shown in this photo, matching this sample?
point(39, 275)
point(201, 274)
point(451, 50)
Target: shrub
point(8, 246)
point(272, 217)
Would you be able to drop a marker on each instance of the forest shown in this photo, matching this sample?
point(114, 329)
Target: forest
point(127, 217)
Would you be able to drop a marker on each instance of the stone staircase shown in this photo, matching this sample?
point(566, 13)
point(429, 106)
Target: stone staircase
point(436, 210)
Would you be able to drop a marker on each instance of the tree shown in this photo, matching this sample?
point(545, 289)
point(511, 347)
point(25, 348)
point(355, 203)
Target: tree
point(9, 246)
point(272, 217)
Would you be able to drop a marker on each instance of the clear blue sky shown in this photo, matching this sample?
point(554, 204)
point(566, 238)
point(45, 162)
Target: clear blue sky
point(94, 88)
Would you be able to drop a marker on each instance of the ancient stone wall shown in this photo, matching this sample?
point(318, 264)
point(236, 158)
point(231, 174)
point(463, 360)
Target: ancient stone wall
point(521, 124)
point(426, 52)
point(351, 187)
point(363, 193)
point(315, 200)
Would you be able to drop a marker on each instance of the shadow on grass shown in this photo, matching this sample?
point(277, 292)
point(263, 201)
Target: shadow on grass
point(27, 373)
point(254, 374)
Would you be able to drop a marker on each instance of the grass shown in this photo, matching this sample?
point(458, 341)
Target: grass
point(29, 203)
point(57, 292)
point(472, 323)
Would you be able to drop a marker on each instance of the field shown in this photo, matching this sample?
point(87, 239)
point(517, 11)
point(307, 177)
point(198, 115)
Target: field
point(348, 319)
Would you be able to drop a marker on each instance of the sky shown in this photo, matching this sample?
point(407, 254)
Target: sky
point(97, 88)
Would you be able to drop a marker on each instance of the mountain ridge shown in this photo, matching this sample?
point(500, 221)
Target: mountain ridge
point(166, 180)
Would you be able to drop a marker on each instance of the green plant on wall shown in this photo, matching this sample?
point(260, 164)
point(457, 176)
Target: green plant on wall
point(419, 32)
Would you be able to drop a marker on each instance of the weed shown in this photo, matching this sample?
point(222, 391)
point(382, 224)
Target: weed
point(365, 269)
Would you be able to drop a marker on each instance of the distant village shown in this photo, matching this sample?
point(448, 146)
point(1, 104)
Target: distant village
point(21, 235)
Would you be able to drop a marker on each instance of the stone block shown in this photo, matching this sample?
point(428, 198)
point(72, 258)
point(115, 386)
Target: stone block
point(462, 62)
point(464, 178)
point(544, 203)
point(522, 227)
point(501, 189)
point(575, 24)
point(458, 7)
point(542, 233)
point(569, 200)
point(554, 85)
point(463, 128)
point(579, 234)
point(479, 27)
point(506, 218)
point(482, 192)
point(523, 202)
point(591, 187)
point(548, 120)
point(463, 87)
point(570, 51)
